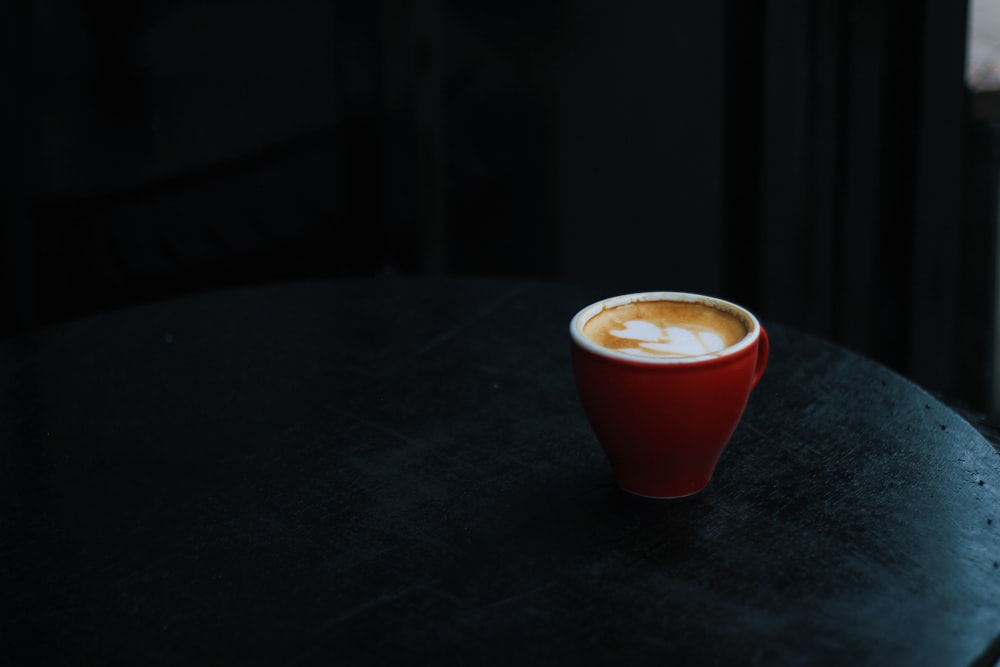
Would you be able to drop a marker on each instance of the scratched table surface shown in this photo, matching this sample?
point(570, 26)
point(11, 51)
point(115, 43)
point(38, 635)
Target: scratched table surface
point(389, 470)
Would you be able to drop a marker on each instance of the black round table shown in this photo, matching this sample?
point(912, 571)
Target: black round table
point(393, 470)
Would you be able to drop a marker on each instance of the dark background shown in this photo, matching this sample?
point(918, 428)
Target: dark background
point(818, 162)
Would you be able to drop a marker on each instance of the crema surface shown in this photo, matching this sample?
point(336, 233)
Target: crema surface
point(665, 329)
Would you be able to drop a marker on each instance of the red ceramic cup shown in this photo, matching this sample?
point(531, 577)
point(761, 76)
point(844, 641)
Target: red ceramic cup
point(664, 421)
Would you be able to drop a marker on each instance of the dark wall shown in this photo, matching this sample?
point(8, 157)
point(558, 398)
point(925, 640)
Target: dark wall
point(638, 145)
point(176, 145)
point(805, 159)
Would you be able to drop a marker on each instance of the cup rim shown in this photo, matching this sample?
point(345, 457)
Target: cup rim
point(587, 313)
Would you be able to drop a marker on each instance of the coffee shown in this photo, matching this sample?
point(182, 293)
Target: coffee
point(664, 378)
point(665, 329)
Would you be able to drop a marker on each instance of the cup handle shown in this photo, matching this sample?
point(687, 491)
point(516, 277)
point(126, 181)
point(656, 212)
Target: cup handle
point(763, 351)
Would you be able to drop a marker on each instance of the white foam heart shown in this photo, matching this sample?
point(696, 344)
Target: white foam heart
point(712, 341)
point(639, 330)
point(678, 340)
point(670, 340)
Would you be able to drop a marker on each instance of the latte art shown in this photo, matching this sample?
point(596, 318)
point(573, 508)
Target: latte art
point(665, 329)
point(668, 340)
